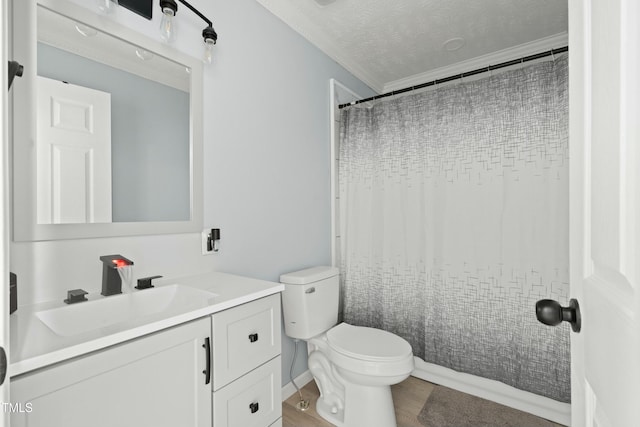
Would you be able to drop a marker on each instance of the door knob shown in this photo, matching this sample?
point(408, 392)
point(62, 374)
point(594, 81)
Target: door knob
point(3, 365)
point(551, 313)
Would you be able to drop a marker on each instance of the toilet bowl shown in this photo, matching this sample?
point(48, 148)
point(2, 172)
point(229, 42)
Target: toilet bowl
point(373, 356)
point(353, 366)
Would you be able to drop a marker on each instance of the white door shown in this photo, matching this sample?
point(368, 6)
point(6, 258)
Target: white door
point(604, 39)
point(73, 153)
point(4, 209)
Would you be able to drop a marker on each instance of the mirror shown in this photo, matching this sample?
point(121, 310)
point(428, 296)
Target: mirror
point(110, 118)
point(107, 129)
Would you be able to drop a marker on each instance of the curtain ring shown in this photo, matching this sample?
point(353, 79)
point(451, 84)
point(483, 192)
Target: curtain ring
point(553, 57)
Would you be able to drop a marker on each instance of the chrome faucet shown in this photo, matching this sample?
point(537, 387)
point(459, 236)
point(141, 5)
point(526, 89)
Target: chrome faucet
point(111, 280)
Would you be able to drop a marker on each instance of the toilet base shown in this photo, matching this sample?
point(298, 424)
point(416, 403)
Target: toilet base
point(364, 406)
point(330, 413)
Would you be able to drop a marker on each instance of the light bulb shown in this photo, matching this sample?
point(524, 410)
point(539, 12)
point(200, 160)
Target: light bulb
point(210, 37)
point(208, 50)
point(168, 25)
point(107, 6)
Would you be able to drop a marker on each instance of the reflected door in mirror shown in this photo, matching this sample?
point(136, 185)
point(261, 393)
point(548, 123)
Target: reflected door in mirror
point(73, 153)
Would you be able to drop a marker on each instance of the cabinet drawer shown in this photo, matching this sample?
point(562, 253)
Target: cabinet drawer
point(245, 337)
point(252, 400)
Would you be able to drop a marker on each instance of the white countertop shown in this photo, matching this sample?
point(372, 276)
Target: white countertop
point(34, 345)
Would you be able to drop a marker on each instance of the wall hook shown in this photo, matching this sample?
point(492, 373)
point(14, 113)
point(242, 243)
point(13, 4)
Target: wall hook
point(213, 240)
point(15, 70)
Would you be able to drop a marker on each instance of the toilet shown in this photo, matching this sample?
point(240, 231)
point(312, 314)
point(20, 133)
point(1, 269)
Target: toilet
point(353, 366)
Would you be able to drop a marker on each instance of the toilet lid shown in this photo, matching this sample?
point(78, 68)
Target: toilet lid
point(367, 343)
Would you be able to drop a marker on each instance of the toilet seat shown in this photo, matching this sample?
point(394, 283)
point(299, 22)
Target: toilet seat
point(368, 355)
point(367, 344)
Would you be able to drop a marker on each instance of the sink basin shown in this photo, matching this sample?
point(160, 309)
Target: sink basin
point(87, 316)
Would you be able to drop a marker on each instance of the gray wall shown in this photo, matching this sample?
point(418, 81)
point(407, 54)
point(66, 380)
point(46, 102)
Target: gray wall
point(266, 156)
point(269, 186)
point(149, 130)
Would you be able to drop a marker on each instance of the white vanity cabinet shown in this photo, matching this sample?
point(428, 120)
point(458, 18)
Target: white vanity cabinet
point(246, 365)
point(221, 370)
point(156, 380)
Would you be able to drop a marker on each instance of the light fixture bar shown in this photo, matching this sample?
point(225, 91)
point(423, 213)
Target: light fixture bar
point(167, 26)
point(197, 12)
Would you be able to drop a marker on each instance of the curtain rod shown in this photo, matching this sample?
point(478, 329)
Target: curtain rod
point(461, 75)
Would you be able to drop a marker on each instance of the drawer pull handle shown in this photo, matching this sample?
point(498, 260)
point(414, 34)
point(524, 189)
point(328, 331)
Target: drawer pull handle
point(253, 337)
point(254, 407)
point(207, 349)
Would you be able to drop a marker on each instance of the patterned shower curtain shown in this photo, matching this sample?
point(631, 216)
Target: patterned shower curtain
point(454, 221)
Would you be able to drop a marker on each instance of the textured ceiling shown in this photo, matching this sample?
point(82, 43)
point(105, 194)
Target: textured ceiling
point(385, 41)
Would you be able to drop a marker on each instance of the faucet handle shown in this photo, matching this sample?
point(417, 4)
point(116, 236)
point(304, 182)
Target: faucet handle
point(145, 282)
point(76, 295)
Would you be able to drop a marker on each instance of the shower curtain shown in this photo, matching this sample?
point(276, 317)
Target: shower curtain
point(453, 219)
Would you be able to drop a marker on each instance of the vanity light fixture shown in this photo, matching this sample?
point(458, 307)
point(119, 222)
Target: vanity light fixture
point(168, 26)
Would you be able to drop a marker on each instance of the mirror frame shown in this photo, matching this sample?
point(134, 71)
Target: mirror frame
point(25, 226)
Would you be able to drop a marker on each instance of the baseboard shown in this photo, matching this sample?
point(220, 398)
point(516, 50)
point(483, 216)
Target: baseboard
point(301, 380)
point(495, 391)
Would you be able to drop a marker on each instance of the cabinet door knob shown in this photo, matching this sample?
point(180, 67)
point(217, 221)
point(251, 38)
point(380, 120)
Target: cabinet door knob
point(254, 407)
point(253, 337)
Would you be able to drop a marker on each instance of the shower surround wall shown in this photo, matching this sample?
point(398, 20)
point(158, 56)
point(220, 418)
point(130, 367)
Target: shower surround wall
point(454, 222)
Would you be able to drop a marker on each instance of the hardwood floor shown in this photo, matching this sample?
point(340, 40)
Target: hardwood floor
point(409, 397)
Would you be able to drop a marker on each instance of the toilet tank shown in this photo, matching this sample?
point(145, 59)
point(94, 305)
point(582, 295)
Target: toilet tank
point(310, 301)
